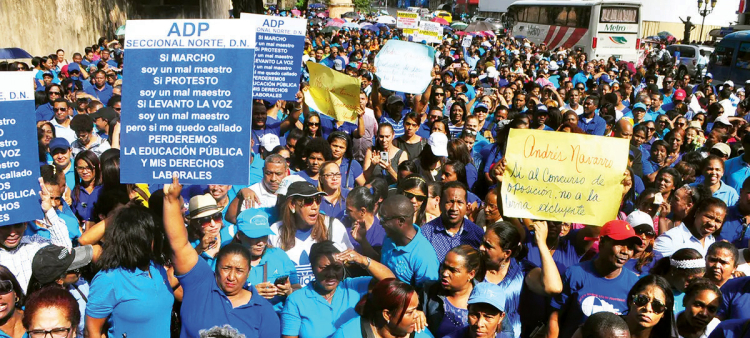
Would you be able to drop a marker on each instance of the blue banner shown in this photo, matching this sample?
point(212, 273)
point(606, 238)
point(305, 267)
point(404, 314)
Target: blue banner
point(279, 44)
point(19, 150)
point(189, 98)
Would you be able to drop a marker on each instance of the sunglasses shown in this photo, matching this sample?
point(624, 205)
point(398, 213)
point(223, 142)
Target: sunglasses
point(647, 233)
point(308, 201)
point(54, 93)
point(313, 124)
point(419, 198)
point(117, 109)
point(60, 109)
point(206, 220)
point(6, 287)
point(643, 300)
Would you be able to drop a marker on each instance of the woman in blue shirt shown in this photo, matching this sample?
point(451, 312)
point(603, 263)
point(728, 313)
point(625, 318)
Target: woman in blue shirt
point(207, 230)
point(365, 232)
point(216, 297)
point(329, 181)
point(657, 159)
point(132, 289)
point(87, 185)
point(322, 306)
point(390, 310)
point(713, 171)
point(11, 294)
point(351, 171)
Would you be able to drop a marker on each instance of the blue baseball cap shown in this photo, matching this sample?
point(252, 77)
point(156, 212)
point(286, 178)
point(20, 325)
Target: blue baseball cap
point(640, 106)
point(488, 293)
point(540, 108)
point(73, 67)
point(58, 143)
point(253, 223)
point(481, 106)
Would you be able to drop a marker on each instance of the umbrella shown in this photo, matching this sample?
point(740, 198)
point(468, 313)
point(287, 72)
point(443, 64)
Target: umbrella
point(330, 29)
point(458, 25)
point(461, 33)
point(316, 21)
point(120, 30)
point(439, 20)
point(664, 35)
point(296, 12)
point(384, 12)
point(371, 28)
point(448, 28)
point(322, 15)
point(350, 25)
point(316, 6)
point(350, 15)
point(339, 20)
point(14, 53)
point(479, 26)
point(520, 37)
point(386, 19)
point(334, 23)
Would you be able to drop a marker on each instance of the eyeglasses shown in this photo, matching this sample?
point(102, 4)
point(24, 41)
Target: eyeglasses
point(54, 93)
point(60, 109)
point(84, 169)
point(206, 220)
point(332, 175)
point(419, 198)
point(643, 300)
point(469, 132)
point(313, 124)
point(308, 201)
point(59, 332)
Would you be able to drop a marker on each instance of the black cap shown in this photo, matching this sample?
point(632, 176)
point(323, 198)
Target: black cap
point(303, 189)
point(105, 113)
point(52, 261)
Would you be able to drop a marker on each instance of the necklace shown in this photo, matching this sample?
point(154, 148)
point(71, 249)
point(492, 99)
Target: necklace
point(328, 297)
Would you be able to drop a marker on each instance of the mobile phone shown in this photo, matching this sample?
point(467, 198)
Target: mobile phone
point(489, 91)
point(281, 280)
point(384, 156)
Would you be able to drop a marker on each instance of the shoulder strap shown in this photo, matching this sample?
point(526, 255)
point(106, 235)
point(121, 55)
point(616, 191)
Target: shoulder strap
point(330, 228)
point(348, 169)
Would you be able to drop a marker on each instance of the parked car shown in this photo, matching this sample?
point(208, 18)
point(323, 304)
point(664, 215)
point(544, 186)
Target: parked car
point(689, 59)
point(443, 14)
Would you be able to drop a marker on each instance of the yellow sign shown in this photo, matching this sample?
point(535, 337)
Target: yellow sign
point(407, 20)
point(563, 177)
point(332, 93)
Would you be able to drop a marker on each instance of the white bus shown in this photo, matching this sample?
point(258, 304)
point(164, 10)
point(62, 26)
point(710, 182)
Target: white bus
point(601, 28)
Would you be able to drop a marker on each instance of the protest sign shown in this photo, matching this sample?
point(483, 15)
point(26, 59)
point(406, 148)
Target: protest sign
point(405, 66)
point(279, 43)
point(466, 42)
point(332, 93)
point(431, 32)
point(19, 150)
point(566, 177)
point(188, 101)
point(407, 20)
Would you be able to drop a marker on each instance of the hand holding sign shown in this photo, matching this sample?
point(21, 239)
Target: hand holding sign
point(405, 66)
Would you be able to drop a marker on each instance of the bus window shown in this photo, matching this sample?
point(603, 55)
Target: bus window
point(743, 56)
point(544, 16)
point(532, 14)
point(572, 16)
point(723, 55)
point(619, 15)
point(521, 14)
point(561, 15)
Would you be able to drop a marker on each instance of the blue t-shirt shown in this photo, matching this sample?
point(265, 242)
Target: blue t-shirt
point(307, 177)
point(205, 305)
point(375, 234)
point(735, 172)
point(633, 263)
point(565, 254)
point(585, 292)
point(596, 126)
point(735, 299)
point(350, 170)
point(735, 328)
point(733, 228)
point(415, 263)
point(308, 315)
point(83, 205)
point(353, 329)
point(337, 210)
point(102, 95)
point(139, 305)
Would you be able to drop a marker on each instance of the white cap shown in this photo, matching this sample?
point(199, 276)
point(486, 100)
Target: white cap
point(286, 182)
point(438, 143)
point(729, 83)
point(553, 65)
point(638, 217)
point(723, 148)
point(723, 120)
point(269, 141)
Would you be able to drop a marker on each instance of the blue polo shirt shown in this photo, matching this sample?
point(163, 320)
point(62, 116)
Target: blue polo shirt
point(734, 328)
point(565, 253)
point(423, 132)
point(735, 299)
point(44, 112)
point(273, 126)
point(337, 210)
point(352, 169)
point(725, 193)
point(585, 292)
point(307, 177)
point(415, 263)
point(436, 234)
point(224, 237)
point(494, 154)
point(375, 235)
point(277, 264)
point(581, 78)
point(353, 329)
point(102, 95)
point(308, 315)
point(596, 126)
point(84, 204)
point(139, 305)
point(649, 166)
point(205, 305)
point(732, 228)
point(736, 170)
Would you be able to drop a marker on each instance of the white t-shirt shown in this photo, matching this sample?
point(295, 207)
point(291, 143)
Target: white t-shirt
point(742, 264)
point(300, 253)
point(578, 110)
point(267, 198)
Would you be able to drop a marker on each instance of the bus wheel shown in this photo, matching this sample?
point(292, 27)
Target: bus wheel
point(681, 72)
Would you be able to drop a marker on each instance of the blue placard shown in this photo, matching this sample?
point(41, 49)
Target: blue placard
point(19, 150)
point(279, 45)
point(188, 99)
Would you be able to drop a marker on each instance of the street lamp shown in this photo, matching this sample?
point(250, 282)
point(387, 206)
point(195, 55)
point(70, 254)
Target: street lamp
point(705, 11)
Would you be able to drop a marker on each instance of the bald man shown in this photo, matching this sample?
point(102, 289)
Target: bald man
point(405, 250)
point(604, 325)
point(623, 129)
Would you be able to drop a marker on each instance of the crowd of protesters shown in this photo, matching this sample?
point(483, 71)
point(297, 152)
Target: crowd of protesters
point(392, 225)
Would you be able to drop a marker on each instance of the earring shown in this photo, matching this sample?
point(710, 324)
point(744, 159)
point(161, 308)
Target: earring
point(293, 211)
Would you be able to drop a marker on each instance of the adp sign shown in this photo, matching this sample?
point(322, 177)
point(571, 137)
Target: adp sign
point(19, 165)
point(188, 29)
point(279, 45)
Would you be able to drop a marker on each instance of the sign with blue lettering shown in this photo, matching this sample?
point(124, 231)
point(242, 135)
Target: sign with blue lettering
point(188, 97)
point(19, 150)
point(279, 44)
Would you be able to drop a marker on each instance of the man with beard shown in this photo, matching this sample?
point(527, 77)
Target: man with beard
point(597, 285)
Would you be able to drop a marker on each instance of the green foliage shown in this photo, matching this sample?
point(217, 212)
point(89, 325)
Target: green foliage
point(361, 4)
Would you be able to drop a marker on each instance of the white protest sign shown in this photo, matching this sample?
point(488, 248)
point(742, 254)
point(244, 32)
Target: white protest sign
point(405, 66)
point(431, 32)
point(466, 42)
point(407, 20)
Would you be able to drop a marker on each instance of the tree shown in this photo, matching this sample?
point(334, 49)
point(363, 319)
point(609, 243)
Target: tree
point(363, 5)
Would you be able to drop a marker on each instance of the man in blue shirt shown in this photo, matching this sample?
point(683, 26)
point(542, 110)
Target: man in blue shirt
point(737, 169)
point(405, 250)
point(735, 299)
point(597, 285)
point(589, 121)
point(584, 75)
point(101, 90)
point(655, 108)
point(735, 225)
point(452, 229)
point(263, 124)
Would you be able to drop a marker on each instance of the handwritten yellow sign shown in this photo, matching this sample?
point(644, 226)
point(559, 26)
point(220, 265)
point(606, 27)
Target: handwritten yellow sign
point(563, 177)
point(332, 93)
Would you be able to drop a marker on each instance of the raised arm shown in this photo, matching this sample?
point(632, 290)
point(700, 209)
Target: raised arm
point(377, 108)
point(58, 229)
point(291, 119)
point(545, 281)
point(184, 257)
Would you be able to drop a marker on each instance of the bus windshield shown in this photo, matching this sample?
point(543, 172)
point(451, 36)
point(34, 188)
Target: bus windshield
point(619, 15)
